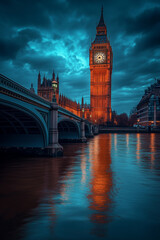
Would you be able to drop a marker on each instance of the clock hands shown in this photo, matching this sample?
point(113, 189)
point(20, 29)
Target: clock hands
point(99, 57)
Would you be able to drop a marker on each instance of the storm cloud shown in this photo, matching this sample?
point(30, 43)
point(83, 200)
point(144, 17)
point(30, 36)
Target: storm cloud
point(47, 35)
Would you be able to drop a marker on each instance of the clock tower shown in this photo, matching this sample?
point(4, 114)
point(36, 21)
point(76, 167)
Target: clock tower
point(100, 61)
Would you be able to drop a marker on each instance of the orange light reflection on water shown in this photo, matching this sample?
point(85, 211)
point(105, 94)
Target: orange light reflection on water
point(127, 140)
point(138, 147)
point(83, 168)
point(101, 178)
point(152, 147)
point(115, 141)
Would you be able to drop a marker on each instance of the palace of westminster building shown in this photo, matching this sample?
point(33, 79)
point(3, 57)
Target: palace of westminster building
point(100, 60)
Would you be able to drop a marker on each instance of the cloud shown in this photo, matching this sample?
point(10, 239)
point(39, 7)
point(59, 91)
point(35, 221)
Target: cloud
point(143, 22)
point(149, 41)
point(43, 35)
point(11, 46)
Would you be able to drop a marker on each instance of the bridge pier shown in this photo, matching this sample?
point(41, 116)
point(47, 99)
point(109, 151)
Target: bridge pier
point(54, 149)
point(29, 121)
point(83, 138)
point(91, 132)
point(96, 129)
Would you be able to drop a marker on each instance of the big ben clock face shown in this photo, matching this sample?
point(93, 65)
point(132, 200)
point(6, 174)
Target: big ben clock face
point(99, 57)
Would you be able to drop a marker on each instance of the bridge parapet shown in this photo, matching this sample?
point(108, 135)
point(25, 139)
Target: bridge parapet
point(27, 120)
point(14, 89)
point(67, 113)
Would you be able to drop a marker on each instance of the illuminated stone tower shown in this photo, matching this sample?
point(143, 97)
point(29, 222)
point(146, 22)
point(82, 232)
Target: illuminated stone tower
point(100, 75)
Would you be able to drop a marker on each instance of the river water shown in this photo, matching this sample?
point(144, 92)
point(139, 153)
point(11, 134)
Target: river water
point(108, 188)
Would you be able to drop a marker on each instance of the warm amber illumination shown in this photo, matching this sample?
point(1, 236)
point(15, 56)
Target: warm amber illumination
point(100, 76)
point(115, 141)
point(101, 182)
point(127, 140)
point(83, 167)
point(138, 147)
point(99, 57)
point(54, 84)
point(152, 146)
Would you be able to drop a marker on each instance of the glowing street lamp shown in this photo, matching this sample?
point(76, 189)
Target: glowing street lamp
point(83, 112)
point(138, 124)
point(54, 85)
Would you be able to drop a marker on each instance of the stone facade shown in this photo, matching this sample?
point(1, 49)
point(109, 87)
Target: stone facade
point(100, 75)
point(99, 110)
point(148, 109)
point(45, 90)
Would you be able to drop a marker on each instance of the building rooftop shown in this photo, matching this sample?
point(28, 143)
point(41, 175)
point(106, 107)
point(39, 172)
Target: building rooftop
point(154, 89)
point(101, 39)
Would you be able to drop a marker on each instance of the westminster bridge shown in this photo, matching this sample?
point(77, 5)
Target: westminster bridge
point(28, 121)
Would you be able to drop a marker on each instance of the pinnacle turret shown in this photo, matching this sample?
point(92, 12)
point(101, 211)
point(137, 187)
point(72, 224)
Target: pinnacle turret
point(53, 75)
point(39, 79)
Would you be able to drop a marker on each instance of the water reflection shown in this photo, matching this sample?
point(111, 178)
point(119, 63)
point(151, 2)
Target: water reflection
point(127, 140)
point(83, 167)
point(28, 189)
point(78, 196)
point(138, 147)
point(115, 142)
point(101, 179)
point(152, 147)
point(146, 149)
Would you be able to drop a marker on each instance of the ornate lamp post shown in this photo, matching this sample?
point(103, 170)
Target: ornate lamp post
point(96, 127)
point(92, 133)
point(54, 148)
point(54, 85)
point(82, 112)
point(83, 138)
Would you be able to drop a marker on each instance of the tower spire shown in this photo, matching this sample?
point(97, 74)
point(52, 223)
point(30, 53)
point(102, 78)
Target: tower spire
point(53, 75)
point(100, 65)
point(39, 79)
point(101, 21)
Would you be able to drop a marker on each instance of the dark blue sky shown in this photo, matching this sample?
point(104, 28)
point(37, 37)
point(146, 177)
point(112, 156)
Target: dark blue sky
point(43, 35)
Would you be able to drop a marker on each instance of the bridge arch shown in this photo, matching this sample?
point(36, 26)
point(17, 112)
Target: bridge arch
point(21, 127)
point(68, 129)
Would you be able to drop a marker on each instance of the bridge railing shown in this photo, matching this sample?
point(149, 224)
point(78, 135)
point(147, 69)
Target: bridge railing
point(8, 84)
point(68, 113)
point(16, 90)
